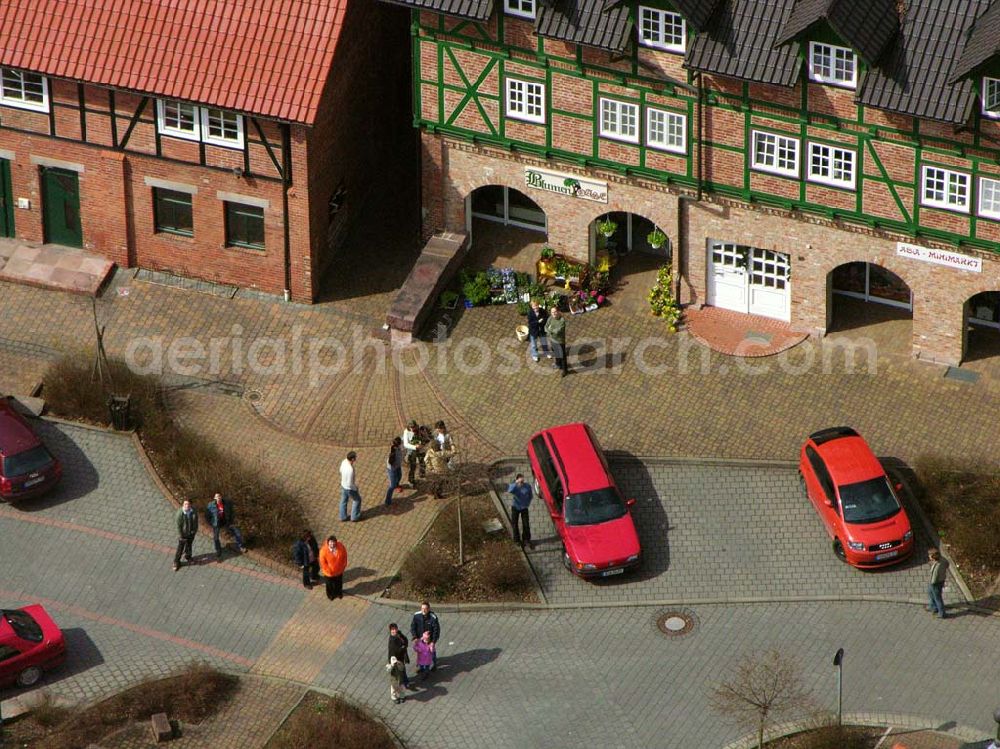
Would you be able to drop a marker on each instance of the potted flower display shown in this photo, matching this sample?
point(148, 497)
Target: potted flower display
point(656, 238)
point(546, 262)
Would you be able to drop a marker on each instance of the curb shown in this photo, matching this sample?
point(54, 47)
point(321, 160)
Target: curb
point(872, 720)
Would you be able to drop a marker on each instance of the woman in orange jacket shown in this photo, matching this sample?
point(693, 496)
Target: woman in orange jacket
point(332, 563)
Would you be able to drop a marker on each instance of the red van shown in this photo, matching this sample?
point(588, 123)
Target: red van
point(27, 468)
point(592, 519)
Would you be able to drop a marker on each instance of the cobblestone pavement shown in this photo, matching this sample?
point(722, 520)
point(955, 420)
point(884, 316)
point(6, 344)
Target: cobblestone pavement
point(608, 677)
point(720, 532)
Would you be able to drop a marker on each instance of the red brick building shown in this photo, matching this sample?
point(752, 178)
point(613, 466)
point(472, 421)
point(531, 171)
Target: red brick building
point(795, 153)
point(232, 142)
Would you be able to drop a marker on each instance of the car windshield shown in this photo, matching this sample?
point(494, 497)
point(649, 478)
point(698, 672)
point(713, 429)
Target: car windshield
point(23, 625)
point(26, 462)
point(589, 508)
point(868, 501)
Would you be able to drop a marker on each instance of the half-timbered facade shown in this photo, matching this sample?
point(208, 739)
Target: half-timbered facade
point(793, 151)
point(208, 139)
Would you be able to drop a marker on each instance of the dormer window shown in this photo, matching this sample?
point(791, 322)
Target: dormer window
point(24, 90)
point(662, 29)
point(836, 66)
point(991, 97)
point(520, 8)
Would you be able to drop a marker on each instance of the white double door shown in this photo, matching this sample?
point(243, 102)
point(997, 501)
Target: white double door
point(749, 279)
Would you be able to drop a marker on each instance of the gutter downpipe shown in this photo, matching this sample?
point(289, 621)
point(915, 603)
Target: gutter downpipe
point(286, 182)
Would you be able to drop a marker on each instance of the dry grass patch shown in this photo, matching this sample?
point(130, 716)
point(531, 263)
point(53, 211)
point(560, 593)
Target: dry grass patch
point(960, 500)
point(192, 466)
point(494, 569)
point(319, 720)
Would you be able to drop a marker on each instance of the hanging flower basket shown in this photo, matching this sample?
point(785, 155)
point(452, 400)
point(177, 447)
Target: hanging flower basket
point(656, 239)
point(607, 228)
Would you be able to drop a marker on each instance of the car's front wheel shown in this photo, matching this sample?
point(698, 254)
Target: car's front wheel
point(802, 485)
point(29, 676)
point(838, 550)
point(566, 561)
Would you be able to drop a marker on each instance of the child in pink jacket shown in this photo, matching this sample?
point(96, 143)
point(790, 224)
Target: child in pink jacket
point(424, 649)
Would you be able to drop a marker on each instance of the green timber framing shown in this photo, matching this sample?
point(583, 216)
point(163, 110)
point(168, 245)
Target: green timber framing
point(429, 28)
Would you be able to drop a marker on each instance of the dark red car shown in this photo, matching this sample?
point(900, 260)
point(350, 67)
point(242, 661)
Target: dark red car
point(30, 643)
point(854, 498)
point(592, 519)
point(27, 468)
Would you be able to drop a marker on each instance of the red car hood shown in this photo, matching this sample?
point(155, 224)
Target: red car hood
point(615, 540)
point(891, 529)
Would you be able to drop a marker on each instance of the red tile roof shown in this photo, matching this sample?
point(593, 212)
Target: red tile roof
point(266, 57)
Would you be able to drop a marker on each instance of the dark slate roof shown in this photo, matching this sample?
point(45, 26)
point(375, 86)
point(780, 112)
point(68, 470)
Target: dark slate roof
point(697, 12)
point(868, 26)
point(586, 22)
point(477, 10)
point(984, 43)
point(914, 76)
point(741, 43)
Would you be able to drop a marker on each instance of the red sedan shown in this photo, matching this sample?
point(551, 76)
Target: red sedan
point(27, 468)
point(590, 515)
point(30, 643)
point(854, 498)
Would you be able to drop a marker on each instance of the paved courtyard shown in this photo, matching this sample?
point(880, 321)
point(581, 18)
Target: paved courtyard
point(717, 531)
point(733, 545)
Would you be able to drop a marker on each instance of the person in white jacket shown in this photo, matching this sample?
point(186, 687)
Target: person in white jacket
point(349, 488)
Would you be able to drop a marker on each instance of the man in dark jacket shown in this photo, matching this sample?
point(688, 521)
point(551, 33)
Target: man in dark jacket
point(221, 516)
point(187, 527)
point(306, 555)
point(398, 647)
point(537, 342)
point(426, 620)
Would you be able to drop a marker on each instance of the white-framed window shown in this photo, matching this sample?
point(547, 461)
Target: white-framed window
point(24, 90)
point(775, 153)
point(662, 29)
point(666, 130)
point(832, 165)
point(943, 188)
point(620, 120)
point(525, 100)
point(991, 97)
point(221, 127)
point(520, 8)
point(989, 197)
point(178, 119)
point(837, 66)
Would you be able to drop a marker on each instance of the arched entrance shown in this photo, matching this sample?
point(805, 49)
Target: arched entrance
point(982, 326)
point(631, 233)
point(865, 295)
point(620, 243)
point(506, 228)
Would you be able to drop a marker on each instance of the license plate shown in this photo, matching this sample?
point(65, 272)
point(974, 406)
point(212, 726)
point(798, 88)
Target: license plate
point(887, 555)
point(32, 482)
point(609, 573)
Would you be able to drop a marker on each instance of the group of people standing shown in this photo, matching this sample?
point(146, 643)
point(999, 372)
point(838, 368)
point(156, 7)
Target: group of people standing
point(331, 560)
point(220, 515)
point(547, 335)
point(425, 629)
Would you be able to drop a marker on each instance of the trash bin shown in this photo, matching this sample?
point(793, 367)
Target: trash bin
point(121, 412)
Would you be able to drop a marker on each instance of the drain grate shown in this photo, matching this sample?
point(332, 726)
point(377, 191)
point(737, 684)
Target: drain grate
point(754, 336)
point(676, 622)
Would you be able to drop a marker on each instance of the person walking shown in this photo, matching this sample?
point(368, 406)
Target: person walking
point(414, 449)
point(394, 468)
point(555, 329)
point(426, 620)
point(306, 555)
point(522, 493)
point(399, 649)
point(935, 589)
point(537, 341)
point(396, 670)
point(187, 527)
point(424, 649)
point(221, 516)
point(333, 562)
point(349, 488)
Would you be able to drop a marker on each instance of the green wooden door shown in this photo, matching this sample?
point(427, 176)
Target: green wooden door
point(61, 207)
point(6, 201)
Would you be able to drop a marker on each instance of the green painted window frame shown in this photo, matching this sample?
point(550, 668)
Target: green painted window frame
point(244, 225)
point(173, 212)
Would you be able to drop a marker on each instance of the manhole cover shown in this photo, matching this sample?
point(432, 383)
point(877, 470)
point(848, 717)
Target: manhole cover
point(254, 396)
point(675, 623)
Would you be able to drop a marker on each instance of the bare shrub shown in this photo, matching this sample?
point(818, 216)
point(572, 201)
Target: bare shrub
point(430, 570)
point(327, 721)
point(502, 567)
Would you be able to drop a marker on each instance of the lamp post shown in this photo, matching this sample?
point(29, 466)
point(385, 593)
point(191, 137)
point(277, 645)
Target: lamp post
point(838, 661)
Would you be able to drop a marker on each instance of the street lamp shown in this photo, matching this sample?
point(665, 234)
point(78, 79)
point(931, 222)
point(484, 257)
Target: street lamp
point(838, 661)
